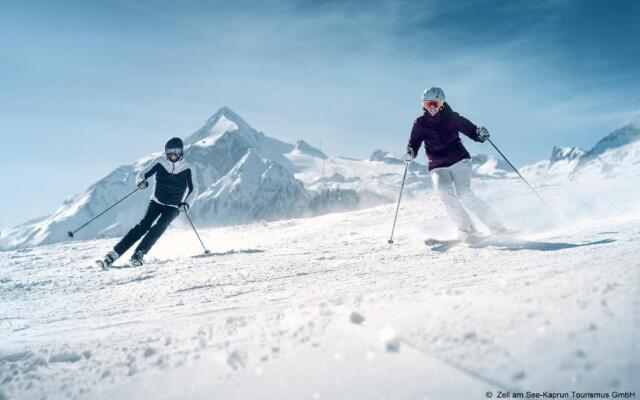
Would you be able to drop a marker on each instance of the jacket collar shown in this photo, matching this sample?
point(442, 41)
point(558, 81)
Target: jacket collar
point(175, 167)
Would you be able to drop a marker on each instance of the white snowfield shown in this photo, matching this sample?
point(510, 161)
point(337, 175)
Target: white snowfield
point(324, 308)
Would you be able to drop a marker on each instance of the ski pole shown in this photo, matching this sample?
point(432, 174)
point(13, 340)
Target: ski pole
point(194, 229)
point(406, 167)
point(522, 177)
point(71, 233)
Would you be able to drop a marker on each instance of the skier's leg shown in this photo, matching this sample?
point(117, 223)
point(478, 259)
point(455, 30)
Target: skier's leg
point(443, 182)
point(168, 215)
point(461, 172)
point(153, 211)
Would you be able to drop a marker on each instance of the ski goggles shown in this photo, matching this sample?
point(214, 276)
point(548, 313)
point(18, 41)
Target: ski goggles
point(176, 151)
point(432, 103)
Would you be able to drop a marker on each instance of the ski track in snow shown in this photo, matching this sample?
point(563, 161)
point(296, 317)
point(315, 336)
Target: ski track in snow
point(325, 308)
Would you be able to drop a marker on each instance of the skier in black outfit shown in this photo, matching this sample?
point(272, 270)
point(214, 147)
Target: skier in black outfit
point(174, 177)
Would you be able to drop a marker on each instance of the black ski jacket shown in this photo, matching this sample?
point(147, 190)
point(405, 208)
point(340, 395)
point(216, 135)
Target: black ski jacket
point(172, 181)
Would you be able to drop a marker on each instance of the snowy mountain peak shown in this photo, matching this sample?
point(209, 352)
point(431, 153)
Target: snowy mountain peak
point(620, 137)
point(618, 152)
point(227, 114)
point(566, 154)
point(225, 125)
point(378, 155)
point(305, 148)
point(223, 121)
point(385, 157)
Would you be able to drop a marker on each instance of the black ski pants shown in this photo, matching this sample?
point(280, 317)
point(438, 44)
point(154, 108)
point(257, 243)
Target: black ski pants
point(151, 234)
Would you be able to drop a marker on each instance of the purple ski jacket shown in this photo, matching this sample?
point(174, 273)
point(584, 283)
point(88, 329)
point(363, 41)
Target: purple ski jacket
point(441, 138)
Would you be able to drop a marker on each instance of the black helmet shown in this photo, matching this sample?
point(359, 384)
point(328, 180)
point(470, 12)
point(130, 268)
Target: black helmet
point(174, 146)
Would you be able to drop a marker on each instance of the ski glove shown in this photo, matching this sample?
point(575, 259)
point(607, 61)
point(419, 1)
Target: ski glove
point(142, 184)
point(184, 207)
point(409, 156)
point(483, 134)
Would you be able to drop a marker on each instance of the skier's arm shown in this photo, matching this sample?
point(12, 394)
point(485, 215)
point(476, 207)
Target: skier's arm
point(467, 127)
point(151, 171)
point(415, 141)
point(141, 178)
point(146, 173)
point(192, 189)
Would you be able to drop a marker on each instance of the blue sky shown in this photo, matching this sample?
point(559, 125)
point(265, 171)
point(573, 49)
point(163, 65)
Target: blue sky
point(88, 86)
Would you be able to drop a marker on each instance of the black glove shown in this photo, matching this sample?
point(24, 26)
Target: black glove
point(483, 134)
point(409, 156)
point(142, 184)
point(184, 207)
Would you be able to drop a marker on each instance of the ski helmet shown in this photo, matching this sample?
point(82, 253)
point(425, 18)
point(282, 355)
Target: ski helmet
point(433, 94)
point(174, 146)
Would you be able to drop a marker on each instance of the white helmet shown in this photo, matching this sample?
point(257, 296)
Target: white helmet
point(432, 94)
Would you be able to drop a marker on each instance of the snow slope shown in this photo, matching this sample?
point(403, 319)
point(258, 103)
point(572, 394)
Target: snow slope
point(323, 307)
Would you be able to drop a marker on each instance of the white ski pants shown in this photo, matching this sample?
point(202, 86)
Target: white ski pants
point(453, 185)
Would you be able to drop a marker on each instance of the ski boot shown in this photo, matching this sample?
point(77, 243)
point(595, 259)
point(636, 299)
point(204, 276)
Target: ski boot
point(108, 260)
point(137, 259)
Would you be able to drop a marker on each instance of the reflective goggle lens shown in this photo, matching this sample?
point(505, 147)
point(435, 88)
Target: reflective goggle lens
point(432, 104)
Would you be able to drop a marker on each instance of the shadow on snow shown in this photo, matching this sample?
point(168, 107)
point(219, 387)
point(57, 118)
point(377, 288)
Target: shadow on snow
point(517, 245)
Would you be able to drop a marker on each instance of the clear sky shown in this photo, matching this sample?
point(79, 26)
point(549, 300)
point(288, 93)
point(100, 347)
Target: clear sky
point(86, 86)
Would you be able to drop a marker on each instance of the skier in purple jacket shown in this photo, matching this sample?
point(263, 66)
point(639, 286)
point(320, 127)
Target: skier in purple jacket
point(450, 163)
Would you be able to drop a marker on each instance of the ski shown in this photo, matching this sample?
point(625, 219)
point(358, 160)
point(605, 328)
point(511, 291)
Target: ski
point(441, 245)
point(105, 267)
point(440, 242)
point(480, 241)
point(450, 242)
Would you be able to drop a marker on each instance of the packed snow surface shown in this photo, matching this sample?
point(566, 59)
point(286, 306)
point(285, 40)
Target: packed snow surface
point(325, 308)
